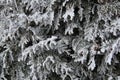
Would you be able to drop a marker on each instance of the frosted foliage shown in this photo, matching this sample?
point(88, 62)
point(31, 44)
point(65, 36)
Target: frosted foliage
point(59, 40)
point(69, 12)
point(70, 28)
point(91, 64)
point(114, 49)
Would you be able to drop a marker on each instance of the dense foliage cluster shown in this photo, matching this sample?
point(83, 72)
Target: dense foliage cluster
point(59, 39)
